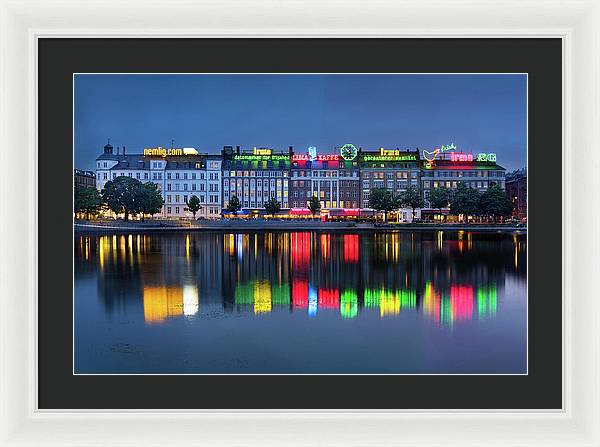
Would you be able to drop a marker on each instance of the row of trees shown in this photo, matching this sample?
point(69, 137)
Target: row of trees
point(383, 200)
point(123, 195)
point(465, 200)
point(272, 206)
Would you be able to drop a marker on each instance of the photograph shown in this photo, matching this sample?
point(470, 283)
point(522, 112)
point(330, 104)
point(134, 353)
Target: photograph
point(300, 224)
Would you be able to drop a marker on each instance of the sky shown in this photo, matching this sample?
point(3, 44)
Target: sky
point(478, 113)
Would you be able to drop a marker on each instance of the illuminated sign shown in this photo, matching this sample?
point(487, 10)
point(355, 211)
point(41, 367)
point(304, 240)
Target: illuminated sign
point(190, 151)
point(162, 152)
point(390, 155)
point(261, 157)
point(320, 157)
point(459, 156)
point(486, 157)
point(348, 152)
point(432, 155)
point(262, 151)
point(312, 153)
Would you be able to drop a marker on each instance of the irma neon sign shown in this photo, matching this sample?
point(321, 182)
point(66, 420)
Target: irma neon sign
point(390, 155)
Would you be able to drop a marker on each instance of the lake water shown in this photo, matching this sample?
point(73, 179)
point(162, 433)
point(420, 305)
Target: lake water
point(301, 302)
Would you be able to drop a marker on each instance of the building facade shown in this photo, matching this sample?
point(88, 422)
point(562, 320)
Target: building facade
point(392, 169)
point(84, 179)
point(333, 178)
point(516, 189)
point(255, 177)
point(447, 171)
point(178, 172)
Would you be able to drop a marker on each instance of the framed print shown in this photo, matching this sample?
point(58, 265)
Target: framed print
point(361, 234)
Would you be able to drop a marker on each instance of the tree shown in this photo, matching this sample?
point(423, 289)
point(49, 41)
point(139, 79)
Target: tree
point(194, 205)
point(234, 205)
point(380, 199)
point(438, 198)
point(494, 202)
point(272, 206)
point(465, 201)
point(88, 201)
point(314, 205)
point(150, 199)
point(412, 198)
point(123, 195)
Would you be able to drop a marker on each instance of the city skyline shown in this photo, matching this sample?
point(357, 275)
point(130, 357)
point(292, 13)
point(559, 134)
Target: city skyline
point(475, 112)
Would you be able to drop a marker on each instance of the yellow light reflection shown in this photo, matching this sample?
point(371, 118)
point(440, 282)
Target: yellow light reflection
point(161, 302)
point(262, 297)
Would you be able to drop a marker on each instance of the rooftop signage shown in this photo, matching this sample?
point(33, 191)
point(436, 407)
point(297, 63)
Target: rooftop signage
point(348, 152)
point(431, 156)
point(165, 152)
point(390, 155)
point(317, 157)
point(262, 151)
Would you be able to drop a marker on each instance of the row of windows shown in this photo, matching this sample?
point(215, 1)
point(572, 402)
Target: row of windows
point(259, 194)
point(181, 209)
point(212, 187)
point(454, 184)
point(177, 198)
point(389, 175)
point(184, 175)
point(255, 173)
point(257, 204)
point(259, 183)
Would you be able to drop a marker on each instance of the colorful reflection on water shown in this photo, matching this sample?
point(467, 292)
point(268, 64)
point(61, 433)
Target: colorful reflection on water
point(440, 279)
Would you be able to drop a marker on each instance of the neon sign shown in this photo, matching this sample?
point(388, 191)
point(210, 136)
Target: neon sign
point(262, 151)
point(348, 152)
point(320, 157)
point(162, 152)
point(261, 157)
point(390, 155)
point(459, 156)
point(486, 157)
point(432, 155)
point(312, 153)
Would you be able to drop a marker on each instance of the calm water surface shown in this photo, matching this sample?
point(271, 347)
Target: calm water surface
point(301, 302)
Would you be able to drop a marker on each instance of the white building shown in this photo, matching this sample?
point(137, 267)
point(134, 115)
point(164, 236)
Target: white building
point(179, 174)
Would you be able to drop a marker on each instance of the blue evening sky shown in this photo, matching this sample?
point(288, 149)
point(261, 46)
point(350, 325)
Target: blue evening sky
point(478, 113)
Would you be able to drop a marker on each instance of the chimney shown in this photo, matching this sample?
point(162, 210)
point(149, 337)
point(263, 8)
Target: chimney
point(123, 149)
point(237, 150)
point(291, 150)
point(117, 150)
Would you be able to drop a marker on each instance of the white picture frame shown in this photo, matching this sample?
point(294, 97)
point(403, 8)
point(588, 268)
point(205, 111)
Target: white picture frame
point(23, 22)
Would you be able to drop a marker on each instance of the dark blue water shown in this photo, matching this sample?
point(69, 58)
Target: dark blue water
point(301, 302)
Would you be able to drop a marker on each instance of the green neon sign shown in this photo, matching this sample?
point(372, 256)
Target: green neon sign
point(410, 157)
point(261, 157)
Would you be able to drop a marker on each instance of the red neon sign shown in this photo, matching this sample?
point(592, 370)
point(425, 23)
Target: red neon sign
point(456, 156)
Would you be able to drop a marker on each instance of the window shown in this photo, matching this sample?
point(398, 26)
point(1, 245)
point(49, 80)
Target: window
point(193, 187)
point(185, 175)
point(177, 176)
point(137, 175)
point(168, 210)
point(145, 176)
point(176, 210)
point(168, 176)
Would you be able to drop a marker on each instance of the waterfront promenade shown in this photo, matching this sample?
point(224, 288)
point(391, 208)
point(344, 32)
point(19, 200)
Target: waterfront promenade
point(281, 225)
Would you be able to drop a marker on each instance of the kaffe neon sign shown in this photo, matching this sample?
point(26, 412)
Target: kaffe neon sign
point(390, 155)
